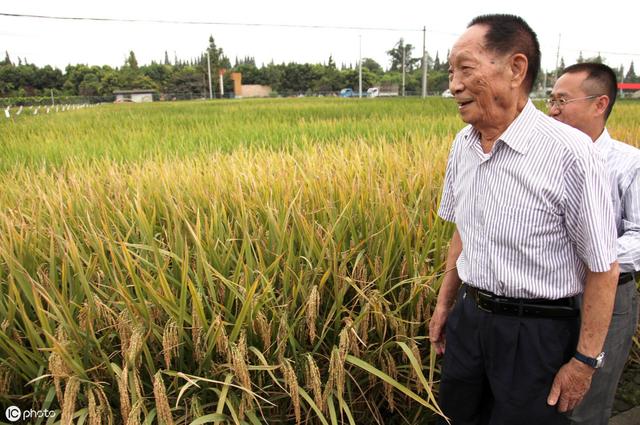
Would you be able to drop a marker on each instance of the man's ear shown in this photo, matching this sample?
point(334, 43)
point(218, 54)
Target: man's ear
point(602, 103)
point(519, 64)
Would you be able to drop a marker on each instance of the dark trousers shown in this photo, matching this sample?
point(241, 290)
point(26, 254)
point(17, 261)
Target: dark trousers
point(498, 370)
point(595, 408)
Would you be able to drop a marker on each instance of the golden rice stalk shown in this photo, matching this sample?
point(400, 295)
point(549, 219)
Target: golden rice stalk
point(291, 383)
point(123, 389)
point(348, 340)
point(196, 335)
point(359, 274)
point(137, 385)
point(353, 338)
point(313, 310)
point(402, 296)
point(162, 402)
point(415, 350)
point(170, 342)
point(389, 365)
point(222, 340)
point(57, 367)
point(135, 345)
point(404, 269)
point(134, 416)
point(6, 376)
point(240, 367)
point(83, 316)
point(262, 328)
point(69, 406)
point(242, 345)
point(106, 315)
point(376, 308)
point(365, 325)
point(377, 266)
point(124, 330)
point(244, 405)
point(105, 407)
point(94, 413)
point(335, 383)
point(314, 381)
point(282, 337)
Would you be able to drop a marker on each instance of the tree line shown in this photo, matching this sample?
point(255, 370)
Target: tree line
point(189, 77)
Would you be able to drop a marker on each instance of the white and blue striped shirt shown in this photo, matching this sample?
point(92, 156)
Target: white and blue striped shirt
point(534, 214)
point(623, 165)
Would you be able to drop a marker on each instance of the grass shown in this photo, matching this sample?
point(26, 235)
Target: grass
point(226, 262)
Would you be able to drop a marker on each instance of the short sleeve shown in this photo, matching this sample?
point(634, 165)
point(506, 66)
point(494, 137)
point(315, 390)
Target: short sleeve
point(447, 201)
point(589, 213)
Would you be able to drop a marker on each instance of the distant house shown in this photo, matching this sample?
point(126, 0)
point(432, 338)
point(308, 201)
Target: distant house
point(629, 90)
point(137, 96)
point(248, 90)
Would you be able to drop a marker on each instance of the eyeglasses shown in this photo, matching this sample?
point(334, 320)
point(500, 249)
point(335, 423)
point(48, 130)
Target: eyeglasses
point(560, 103)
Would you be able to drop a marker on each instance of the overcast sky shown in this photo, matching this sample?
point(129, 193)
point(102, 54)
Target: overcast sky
point(609, 28)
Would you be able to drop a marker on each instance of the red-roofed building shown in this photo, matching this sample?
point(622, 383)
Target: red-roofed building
point(630, 89)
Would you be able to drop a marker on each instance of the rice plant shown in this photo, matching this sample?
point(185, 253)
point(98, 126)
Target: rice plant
point(225, 262)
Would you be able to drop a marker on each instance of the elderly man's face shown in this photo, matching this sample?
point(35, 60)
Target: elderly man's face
point(478, 79)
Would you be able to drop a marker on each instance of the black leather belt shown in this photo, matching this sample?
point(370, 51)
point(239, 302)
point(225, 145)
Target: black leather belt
point(522, 307)
point(625, 278)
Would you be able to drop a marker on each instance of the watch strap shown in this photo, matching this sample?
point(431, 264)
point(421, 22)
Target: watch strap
point(590, 361)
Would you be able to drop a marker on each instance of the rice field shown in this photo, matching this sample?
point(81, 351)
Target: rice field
point(255, 261)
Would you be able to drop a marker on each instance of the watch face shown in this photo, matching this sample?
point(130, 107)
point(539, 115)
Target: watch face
point(600, 360)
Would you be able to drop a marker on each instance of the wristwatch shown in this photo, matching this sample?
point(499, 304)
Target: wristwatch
point(596, 363)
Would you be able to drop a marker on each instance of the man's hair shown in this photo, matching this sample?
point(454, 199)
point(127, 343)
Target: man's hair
point(601, 80)
point(509, 34)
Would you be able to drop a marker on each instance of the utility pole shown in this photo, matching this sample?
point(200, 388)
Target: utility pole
point(209, 69)
point(424, 62)
point(221, 72)
point(53, 103)
point(555, 73)
point(403, 62)
point(360, 70)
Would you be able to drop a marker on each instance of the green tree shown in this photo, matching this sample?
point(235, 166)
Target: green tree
point(159, 74)
point(7, 59)
point(631, 76)
point(185, 80)
point(372, 66)
point(396, 57)
point(90, 85)
point(132, 62)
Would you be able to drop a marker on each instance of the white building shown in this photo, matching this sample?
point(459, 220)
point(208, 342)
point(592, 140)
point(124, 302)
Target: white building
point(137, 96)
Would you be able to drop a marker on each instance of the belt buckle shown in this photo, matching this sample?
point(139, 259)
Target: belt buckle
point(484, 302)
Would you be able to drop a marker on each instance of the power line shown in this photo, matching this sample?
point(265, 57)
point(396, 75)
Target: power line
point(239, 24)
point(257, 24)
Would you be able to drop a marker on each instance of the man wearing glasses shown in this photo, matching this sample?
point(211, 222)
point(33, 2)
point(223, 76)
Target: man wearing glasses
point(583, 97)
point(534, 228)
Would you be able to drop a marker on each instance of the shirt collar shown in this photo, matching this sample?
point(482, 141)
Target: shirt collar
point(604, 142)
point(516, 135)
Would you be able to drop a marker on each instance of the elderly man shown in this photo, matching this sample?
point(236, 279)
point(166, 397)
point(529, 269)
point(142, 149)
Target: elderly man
point(534, 228)
point(583, 97)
